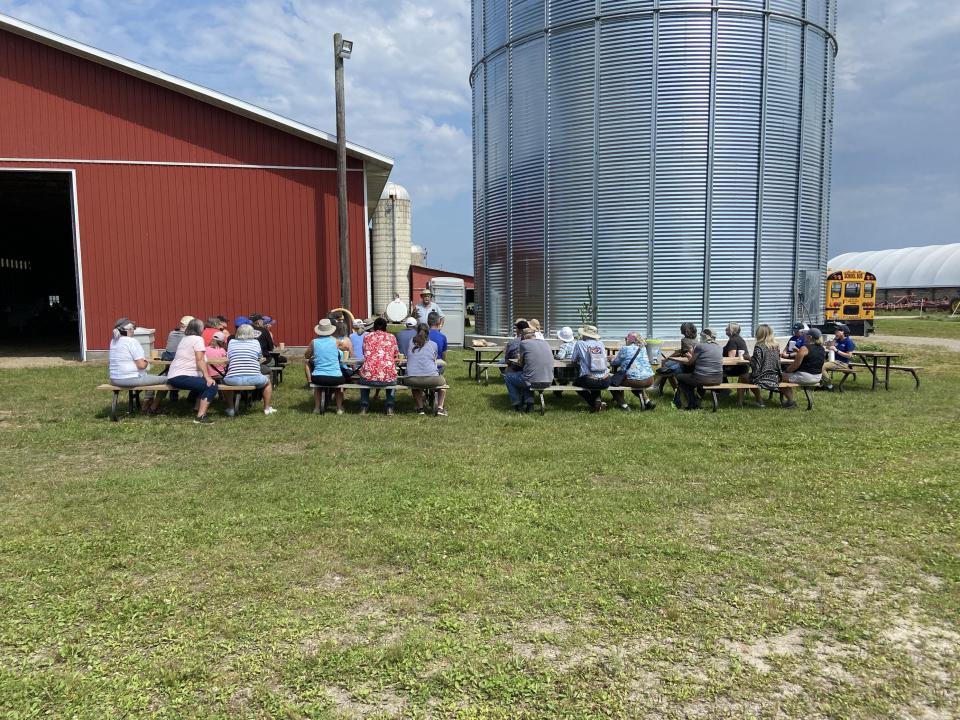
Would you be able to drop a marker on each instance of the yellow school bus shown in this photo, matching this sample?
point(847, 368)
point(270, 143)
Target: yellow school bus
point(851, 295)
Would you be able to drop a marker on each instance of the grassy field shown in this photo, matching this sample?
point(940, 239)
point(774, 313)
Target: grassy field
point(749, 563)
point(940, 325)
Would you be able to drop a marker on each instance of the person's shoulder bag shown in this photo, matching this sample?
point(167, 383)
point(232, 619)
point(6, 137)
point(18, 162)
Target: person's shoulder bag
point(618, 377)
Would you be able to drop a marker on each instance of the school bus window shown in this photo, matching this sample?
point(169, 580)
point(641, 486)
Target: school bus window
point(868, 290)
point(835, 289)
point(851, 290)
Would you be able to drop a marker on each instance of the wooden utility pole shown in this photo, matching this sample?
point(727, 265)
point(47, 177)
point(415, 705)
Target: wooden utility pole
point(341, 174)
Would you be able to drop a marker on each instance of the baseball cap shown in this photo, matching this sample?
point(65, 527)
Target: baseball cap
point(358, 323)
point(267, 320)
point(255, 316)
point(186, 319)
point(410, 322)
point(241, 320)
point(814, 333)
point(797, 327)
point(218, 336)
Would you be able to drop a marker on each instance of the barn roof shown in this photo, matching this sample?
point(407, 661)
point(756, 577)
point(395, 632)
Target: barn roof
point(377, 166)
point(928, 266)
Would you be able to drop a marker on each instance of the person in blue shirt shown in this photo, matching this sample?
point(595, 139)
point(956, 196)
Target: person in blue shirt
point(327, 367)
point(796, 340)
point(632, 359)
point(590, 357)
point(356, 339)
point(843, 348)
point(433, 321)
point(406, 335)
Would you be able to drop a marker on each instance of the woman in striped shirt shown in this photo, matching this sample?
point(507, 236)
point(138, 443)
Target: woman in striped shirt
point(243, 352)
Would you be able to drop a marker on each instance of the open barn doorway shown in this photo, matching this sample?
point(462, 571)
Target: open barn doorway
point(39, 297)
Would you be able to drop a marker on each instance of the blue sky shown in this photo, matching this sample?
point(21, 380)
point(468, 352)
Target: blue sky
point(896, 170)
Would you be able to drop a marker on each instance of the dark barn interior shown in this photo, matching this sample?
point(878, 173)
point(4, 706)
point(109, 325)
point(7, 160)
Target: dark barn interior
point(39, 307)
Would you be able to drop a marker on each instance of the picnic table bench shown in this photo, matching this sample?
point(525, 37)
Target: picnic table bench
point(133, 395)
point(715, 391)
point(539, 391)
point(358, 386)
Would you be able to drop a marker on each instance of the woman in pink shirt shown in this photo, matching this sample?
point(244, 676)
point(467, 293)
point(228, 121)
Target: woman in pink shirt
point(216, 349)
point(379, 367)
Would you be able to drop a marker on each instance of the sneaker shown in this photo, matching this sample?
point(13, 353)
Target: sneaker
point(363, 410)
point(441, 412)
point(269, 411)
point(339, 411)
point(791, 404)
point(677, 402)
point(229, 412)
point(389, 412)
point(625, 407)
point(316, 411)
point(650, 405)
point(528, 408)
point(761, 404)
point(203, 420)
point(421, 411)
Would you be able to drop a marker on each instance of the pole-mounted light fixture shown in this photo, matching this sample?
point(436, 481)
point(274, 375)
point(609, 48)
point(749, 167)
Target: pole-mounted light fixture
point(342, 49)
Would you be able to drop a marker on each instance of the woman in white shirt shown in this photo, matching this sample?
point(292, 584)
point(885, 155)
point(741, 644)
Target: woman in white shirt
point(128, 366)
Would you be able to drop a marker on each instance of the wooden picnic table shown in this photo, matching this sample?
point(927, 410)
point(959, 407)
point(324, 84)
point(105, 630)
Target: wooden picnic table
point(865, 356)
point(478, 353)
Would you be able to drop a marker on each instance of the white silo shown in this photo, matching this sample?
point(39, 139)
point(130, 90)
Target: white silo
point(418, 255)
point(390, 247)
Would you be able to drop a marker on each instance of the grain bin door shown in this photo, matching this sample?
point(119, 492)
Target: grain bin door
point(810, 296)
point(449, 294)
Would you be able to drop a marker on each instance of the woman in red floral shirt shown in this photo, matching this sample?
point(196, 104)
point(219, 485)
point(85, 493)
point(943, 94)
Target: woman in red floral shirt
point(379, 367)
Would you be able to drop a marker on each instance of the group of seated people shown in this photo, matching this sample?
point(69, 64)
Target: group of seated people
point(192, 350)
point(530, 365)
point(370, 358)
point(699, 362)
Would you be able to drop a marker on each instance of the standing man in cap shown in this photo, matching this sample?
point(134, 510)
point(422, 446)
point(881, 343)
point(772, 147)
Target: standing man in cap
point(426, 306)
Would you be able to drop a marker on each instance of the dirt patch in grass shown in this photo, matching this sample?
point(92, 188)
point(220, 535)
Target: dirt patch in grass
point(758, 653)
point(363, 704)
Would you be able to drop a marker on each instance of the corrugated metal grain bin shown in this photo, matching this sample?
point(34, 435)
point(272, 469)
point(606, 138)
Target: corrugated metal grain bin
point(671, 159)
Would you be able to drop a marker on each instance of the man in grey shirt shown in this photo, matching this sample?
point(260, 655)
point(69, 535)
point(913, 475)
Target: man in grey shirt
point(535, 362)
point(707, 360)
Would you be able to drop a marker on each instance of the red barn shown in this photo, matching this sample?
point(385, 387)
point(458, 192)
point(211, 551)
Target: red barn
point(128, 192)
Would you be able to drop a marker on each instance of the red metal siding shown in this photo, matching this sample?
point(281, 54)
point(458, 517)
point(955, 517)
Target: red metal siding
point(63, 106)
point(420, 276)
point(161, 241)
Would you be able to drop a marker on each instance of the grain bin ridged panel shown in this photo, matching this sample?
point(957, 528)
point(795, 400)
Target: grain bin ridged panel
point(479, 198)
point(497, 271)
point(736, 155)
point(570, 169)
point(623, 191)
point(527, 123)
point(687, 167)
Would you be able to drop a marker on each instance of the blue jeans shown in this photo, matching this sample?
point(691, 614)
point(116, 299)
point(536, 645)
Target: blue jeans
point(257, 380)
point(365, 394)
point(518, 389)
point(196, 385)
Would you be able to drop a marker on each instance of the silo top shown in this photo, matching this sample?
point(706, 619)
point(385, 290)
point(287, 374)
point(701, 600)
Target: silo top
point(398, 191)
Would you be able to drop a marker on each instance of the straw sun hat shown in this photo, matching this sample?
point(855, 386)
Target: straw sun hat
point(589, 331)
point(324, 328)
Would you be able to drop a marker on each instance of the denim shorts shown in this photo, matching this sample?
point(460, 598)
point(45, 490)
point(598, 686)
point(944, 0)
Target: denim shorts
point(255, 380)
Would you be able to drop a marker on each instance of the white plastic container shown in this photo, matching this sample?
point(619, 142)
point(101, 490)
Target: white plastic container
point(146, 337)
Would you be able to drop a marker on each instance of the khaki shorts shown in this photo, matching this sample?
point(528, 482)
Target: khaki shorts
point(424, 382)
